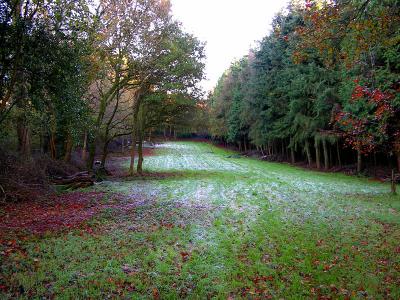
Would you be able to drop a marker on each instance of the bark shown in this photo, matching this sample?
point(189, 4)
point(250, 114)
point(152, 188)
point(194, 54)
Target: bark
point(45, 143)
point(308, 152)
point(393, 183)
point(84, 148)
point(135, 108)
point(292, 156)
point(105, 153)
point(53, 149)
point(397, 152)
point(338, 155)
point(24, 138)
point(398, 161)
point(105, 100)
point(359, 161)
point(92, 153)
point(140, 144)
point(107, 130)
point(78, 180)
point(53, 131)
point(317, 154)
point(68, 148)
point(133, 149)
point(140, 153)
point(326, 155)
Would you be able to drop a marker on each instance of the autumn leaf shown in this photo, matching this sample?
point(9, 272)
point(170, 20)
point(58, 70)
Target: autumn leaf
point(156, 294)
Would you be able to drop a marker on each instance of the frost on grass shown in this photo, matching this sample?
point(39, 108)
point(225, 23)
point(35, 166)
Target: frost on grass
point(214, 225)
point(215, 182)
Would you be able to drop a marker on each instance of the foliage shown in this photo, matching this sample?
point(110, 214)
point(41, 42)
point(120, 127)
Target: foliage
point(74, 72)
point(298, 86)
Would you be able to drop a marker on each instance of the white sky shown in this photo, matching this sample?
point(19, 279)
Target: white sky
point(229, 27)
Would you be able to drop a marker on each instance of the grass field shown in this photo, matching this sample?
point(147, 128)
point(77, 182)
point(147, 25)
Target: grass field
point(211, 225)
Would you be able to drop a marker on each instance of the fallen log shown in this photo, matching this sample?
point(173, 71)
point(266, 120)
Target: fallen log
point(76, 175)
point(72, 180)
point(75, 181)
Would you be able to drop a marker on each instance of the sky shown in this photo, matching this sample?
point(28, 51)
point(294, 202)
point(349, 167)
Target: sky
point(229, 28)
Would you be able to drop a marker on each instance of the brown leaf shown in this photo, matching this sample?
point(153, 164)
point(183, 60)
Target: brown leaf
point(156, 294)
point(185, 255)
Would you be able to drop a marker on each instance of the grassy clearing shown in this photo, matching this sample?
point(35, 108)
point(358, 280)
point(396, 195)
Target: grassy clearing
point(217, 226)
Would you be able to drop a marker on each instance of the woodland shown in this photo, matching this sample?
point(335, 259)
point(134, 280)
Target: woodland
point(323, 87)
point(120, 177)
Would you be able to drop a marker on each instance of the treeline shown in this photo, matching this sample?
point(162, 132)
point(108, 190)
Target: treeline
point(322, 87)
point(83, 73)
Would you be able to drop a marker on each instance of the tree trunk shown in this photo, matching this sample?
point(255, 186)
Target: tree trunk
point(53, 131)
point(24, 140)
point(359, 161)
point(317, 154)
point(68, 148)
point(308, 153)
point(84, 148)
point(398, 161)
point(292, 156)
point(338, 154)
point(136, 107)
point(132, 164)
point(92, 153)
point(53, 148)
point(140, 153)
point(141, 126)
point(105, 153)
point(393, 183)
point(326, 155)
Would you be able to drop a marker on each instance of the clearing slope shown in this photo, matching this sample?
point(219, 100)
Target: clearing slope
point(211, 224)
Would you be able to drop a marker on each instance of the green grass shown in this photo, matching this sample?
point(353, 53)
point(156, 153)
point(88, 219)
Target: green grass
point(216, 226)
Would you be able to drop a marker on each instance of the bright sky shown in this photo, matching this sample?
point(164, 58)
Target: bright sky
point(229, 27)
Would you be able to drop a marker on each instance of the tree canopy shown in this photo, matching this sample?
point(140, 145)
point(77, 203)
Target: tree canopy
point(328, 75)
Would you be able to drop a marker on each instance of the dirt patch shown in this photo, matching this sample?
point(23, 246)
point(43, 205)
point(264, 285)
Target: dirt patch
point(57, 213)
